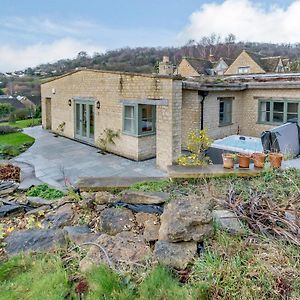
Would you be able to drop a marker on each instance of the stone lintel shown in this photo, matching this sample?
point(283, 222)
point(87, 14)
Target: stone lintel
point(161, 102)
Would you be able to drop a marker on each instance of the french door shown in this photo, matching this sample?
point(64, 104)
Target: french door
point(85, 121)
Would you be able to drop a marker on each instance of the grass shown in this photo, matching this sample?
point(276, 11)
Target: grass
point(27, 277)
point(45, 192)
point(17, 138)
point(23, 123)
point(152, 186)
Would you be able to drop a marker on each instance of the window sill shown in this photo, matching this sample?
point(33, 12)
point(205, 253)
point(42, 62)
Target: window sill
point(139, 135)
point(224, 125)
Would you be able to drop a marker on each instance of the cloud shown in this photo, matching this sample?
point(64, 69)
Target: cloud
point(16, 58)
point(247, 20)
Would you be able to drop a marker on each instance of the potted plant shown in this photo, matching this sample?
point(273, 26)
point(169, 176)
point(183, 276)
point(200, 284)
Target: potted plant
point(259, 159)
point(275, 159)
point(244, 160)
point(228, 160)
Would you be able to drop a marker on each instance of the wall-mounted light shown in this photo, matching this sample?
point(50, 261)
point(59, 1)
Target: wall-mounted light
point(70, 102)
point(53, 91)
point(98, 104)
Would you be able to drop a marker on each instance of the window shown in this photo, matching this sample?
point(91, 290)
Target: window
point(243, 70)
point(225, 111)
point(277, 112)
point(139, 119)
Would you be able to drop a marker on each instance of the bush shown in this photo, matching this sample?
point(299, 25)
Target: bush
point(22, 114)
point(45, 192)
point(12, 118)
point(8, 129)
point(10, 150)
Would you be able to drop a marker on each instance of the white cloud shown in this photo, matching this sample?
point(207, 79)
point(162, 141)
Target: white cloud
point(16, 58)
point(247, 20)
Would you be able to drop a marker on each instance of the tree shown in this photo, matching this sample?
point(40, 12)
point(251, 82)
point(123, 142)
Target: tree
point(5, 109)
point(1, 92)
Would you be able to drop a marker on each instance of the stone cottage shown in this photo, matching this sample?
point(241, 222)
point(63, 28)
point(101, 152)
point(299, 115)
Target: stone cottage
point(155, 113)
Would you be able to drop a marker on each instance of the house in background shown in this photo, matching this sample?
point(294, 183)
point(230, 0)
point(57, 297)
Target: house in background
point(254, 63)
point(221, 66)
point(194, 67)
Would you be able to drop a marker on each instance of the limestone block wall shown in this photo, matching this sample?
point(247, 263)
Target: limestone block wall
point(244, 60)
point(108, 88)
point(190, 114)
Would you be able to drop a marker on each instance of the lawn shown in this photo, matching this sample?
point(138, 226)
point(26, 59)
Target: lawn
point(16, 139)
point(23, 123)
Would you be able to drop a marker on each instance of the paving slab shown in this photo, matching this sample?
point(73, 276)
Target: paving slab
point(55, 159)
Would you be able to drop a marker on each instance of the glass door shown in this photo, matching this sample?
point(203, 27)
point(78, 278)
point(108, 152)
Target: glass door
point(84, 121)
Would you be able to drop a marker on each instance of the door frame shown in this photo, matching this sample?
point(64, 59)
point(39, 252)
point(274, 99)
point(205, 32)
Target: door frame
point(87, 138)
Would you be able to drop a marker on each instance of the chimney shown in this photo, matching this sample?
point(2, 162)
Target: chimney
point(165, 67)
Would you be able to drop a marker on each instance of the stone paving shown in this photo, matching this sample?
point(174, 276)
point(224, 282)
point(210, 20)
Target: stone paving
point(57, 158)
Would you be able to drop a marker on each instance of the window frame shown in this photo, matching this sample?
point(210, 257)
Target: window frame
point(137, 120)
point(285, 111)
point(243, 68)
point(227, 102)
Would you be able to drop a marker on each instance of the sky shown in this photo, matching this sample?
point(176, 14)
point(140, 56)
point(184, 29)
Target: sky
point(41, 31)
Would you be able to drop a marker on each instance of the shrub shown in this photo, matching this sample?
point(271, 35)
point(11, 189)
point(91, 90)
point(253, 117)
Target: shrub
point(10, 150)
point(8, 129)
point(198, 143)
point(45, 192)
point(12, 118)
point(22, 114)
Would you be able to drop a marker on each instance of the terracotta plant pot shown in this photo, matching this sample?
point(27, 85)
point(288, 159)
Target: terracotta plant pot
point(275, 159)
point(259, 159)
point(244, 160)
point(228, 160)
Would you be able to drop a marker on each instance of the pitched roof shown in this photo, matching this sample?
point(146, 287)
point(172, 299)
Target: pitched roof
point(227, 60)
point(268, 64)
point(12, 101)
point(202, 66)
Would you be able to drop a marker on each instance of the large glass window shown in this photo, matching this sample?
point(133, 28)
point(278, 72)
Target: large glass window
point(225, 111)
point(277, 112)
point(139, 119)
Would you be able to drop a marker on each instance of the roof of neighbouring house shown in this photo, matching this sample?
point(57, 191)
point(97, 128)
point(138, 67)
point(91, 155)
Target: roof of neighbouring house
point(202, 66)
point(12, 101)
point(227, 60)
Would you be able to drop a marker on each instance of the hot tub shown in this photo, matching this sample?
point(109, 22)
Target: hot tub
point(234, 144)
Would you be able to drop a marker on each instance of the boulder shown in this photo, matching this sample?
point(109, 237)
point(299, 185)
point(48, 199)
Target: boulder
point(123, 247)
point(37, 201)
point(142, 217)
point(228, 221)
point(38, 240)
point(80, 234)
point(105, 198)
point(59, 218)
point(133, 197)
point(175, 255)
point(115, 220)
point(186, 219)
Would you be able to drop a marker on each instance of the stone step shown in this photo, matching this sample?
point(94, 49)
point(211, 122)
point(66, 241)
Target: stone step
point(96, 184)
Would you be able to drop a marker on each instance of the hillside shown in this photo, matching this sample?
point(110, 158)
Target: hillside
point(145, 59)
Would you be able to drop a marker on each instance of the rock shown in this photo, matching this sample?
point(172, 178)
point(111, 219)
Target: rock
point(228, 221)
point(37, 201)
point(124, 246)
point(34, 240)
point(133, 197)
point(175, 255)
point(80, 234)
point(105, 198)
point(7, 187)
point(39, 210)
point(150, 225)
point(11, 209)
point(151, 230)
point(59, 218)
point(88, 200)
point(115, 220)
point(142, 217)
point(186, 219)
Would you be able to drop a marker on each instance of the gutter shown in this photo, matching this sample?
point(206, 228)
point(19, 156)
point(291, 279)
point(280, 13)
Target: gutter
point(203, 94)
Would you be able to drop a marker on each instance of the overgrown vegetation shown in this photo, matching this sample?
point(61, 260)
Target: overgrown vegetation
point(152, 186)
point(45, 192)
point(107, 138)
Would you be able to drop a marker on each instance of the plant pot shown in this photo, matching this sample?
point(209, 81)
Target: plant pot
point(244, 160)
point(259, 159)
point(275, 159)
point(228, 160)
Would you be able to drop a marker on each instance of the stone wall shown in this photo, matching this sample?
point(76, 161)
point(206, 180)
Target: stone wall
point(244, 60)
